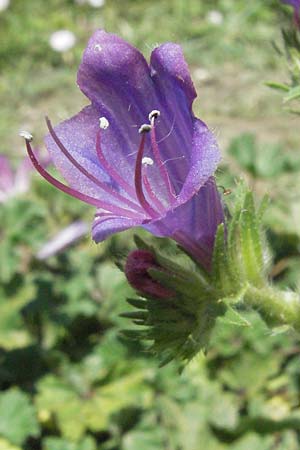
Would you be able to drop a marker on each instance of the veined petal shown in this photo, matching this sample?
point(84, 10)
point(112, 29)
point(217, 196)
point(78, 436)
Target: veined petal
point(116, 78)
point(176, 93)
point(105, 226)
point(115, 74)
point(78, 135)
point(170, 70)
point(194, 223)
point(205, 156)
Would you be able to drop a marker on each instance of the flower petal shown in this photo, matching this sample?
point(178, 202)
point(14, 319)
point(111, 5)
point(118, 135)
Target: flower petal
point(78, 136)
point(205, 156)
point(194, 223)
point(105, 226)
point(170, 71)
point(176, 93)
point(117, 79)
point(115, 74)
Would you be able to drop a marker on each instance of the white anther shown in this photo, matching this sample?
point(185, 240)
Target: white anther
point(145, 128)
point(26, 135)
point(104, 123)
point(146, 161)
point(97, 48)
point(154, 114)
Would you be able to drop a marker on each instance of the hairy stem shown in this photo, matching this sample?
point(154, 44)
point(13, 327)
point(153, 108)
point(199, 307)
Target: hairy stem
point(276, 307)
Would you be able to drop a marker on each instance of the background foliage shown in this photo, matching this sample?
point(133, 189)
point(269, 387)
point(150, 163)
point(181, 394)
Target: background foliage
point(68, 380)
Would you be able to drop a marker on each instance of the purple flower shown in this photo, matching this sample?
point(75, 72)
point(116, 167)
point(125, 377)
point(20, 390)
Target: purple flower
point(137, 152)
point(296, 5)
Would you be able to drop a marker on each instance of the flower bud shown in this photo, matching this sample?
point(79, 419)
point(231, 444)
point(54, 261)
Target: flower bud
point(136, 270)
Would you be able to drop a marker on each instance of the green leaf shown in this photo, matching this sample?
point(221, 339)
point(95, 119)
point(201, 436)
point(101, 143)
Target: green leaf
point(253, 441)
point(17, 417)
point(54, 443)
point(292, 94)
point(5, 445)
point(77, 410)
point(143, 439)
point(278, 86)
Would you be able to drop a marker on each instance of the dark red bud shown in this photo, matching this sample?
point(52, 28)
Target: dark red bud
point(136, 270)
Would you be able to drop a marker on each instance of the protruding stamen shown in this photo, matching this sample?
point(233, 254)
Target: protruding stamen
point(154, 115)
point(145, 128)
point(72, 192)
point(106, 188)
point(26, 135)
point(146, 161)
point(104, 123)
point(138, 174)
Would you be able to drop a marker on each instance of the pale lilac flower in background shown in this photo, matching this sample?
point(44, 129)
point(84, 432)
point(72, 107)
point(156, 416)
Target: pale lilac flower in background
point(66, 237)
point(4, 4)
point(62, 40)
point(138, 153)
point(14, 182)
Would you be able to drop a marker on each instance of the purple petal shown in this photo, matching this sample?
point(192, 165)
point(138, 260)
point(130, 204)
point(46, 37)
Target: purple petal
point(118, 81)
point(194, 224)
point(205, 157)
point(171, 73)
point(78, 135)
point(115, 74)
point(103, 227)
point(176, 93)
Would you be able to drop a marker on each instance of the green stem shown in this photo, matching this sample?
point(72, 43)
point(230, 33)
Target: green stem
point(276, 307)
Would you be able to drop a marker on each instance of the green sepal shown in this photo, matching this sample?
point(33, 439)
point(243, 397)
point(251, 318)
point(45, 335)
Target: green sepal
point(233, 317)
point(137, 303)
point(180, 326)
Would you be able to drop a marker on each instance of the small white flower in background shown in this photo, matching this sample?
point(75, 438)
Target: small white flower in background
point(4, 4)
point(215, 17)
point(62, 40)
point(201, 74)
point(96, 3)
point(63, 239)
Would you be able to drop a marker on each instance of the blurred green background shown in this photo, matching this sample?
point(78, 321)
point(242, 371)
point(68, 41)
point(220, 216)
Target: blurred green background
point(68, 380)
